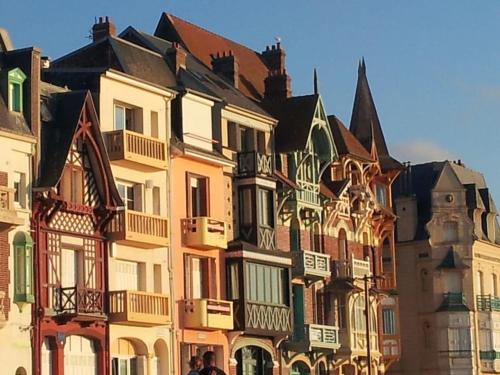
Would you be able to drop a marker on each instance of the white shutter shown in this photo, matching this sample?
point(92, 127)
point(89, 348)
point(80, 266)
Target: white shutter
point(127, 275)
point(196, 278)
point(79, 356)
point(69, 266)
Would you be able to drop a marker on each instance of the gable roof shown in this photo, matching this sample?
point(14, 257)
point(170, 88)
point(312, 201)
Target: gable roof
point(202, 43)
point(345, 141)
point(197, 76)
point(57, 135)
point(365, 124)
point(295, 117)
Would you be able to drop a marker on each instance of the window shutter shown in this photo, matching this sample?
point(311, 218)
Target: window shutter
point(232, 136)
point(138, 194)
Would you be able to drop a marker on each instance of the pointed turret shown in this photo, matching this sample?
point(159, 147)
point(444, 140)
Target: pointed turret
point(315, 79)
point(365, 124)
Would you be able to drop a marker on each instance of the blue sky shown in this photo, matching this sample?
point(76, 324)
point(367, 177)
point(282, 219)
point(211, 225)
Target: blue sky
point(433, 66)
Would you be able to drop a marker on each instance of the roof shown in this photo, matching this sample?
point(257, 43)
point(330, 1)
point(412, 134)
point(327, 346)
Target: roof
point(121, 55)
point(452, 261)
point(202, 43)
point(57, 137)
point(365, 124)
point(295, 117)
point(197, 76)
point(13, 122)
point(345, 141)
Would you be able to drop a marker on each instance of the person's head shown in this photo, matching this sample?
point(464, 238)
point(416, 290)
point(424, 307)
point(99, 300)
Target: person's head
point(209, 359)
point(195, 363)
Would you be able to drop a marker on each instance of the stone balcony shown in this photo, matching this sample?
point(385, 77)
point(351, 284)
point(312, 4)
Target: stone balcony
point(311, 266)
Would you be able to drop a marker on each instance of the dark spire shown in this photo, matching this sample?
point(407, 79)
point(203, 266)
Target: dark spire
point(365, 124)
point(316, 87)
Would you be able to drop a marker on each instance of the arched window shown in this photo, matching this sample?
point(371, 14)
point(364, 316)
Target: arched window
point(316, 238)
point(294, 234)
point(342, 245)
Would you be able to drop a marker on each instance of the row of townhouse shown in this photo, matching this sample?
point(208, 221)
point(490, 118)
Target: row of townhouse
point(166, 195)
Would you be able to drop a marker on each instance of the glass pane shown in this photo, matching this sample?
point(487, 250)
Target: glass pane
point(119, 117)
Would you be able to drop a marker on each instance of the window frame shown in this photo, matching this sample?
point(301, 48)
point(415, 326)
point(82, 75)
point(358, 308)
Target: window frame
point(16, 78)
point(189, 200)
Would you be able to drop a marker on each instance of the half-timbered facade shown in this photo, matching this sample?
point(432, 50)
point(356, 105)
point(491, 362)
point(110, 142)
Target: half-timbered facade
point(74, 199)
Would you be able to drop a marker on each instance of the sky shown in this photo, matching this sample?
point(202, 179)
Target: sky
point(433, 66)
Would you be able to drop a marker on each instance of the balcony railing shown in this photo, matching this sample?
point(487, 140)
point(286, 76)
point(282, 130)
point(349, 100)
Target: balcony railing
point(253, 163)
point(262, 318)
point(130, 147)
point(453, 302)
point(388, 281)
point(351, 268)
point(315, 336)
point(138, 308)
point(204, 233)
point(488, 303)
point(310, 265)
point(79, 301)
point(489, 355)
point(139, 229)
point(8, 215)
point(208, 314)
point(307, 193)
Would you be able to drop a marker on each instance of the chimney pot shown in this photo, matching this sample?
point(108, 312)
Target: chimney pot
point(176, 56)
point(104, 28)
point(227, 66)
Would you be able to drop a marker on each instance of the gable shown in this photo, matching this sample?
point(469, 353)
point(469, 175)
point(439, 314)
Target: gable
point(447, 180)
point(320, 135)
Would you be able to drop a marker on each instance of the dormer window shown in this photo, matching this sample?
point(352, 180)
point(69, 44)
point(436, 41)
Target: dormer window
point(16, 78)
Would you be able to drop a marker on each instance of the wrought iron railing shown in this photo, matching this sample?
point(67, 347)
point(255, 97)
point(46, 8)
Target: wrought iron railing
point(78, 300)
point(255, 163)
point(488, 302)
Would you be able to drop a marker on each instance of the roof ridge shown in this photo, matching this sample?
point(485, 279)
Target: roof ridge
point(170, 15)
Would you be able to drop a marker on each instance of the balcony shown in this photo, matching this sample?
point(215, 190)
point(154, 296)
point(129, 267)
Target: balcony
point(314, 336)
point(453, 302)
point(307, 194)
point(262, 319)
point(138, 308)
point(8, 215)
point(204, 233)
point(490, 355)
point(487, 303)
point(208, 314)
point(311, 266)
point(131, 149)
point(351, 268)
point(139, 229)
point(79, 302)
point(254, 163)
point(388, 281)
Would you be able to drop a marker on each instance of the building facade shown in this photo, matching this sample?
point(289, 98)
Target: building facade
point(18, 87)
point(447, 270)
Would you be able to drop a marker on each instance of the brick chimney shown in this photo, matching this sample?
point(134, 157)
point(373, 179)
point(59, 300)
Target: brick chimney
point(278, 84)
point(274, 57)
point(226, 66)
point(176, 57)
point(103, 28)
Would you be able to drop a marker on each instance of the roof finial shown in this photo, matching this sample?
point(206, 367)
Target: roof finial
point(316, 87)
point(362, 66)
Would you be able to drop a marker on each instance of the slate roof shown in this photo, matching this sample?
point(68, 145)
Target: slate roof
point(121, 55)
point(345, 141)
point(197, 76)
point(365, 124)
point(295, 117)
point(202, 43)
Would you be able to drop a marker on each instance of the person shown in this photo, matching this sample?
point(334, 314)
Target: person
point(209, 365)
point(195, 365)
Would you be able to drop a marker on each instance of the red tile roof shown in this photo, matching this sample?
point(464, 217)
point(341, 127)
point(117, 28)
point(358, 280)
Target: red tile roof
point(346, 142)
point(202, 43)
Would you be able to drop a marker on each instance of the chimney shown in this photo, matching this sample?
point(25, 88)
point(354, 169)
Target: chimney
point(45, 62)
point(277, 85)
point(274, 57)
point(102, 29)
point(176, 57)
point(227, 67)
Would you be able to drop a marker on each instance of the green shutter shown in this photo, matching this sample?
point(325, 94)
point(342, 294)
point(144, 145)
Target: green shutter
point(298, 311)
point(23, 269)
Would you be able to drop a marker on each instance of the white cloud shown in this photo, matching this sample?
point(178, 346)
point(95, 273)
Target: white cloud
point(420, 151)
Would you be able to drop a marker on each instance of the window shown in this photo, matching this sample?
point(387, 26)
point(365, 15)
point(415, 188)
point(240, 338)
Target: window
point(337, 174)
point(124, 366)
point(154, 125)
point(131, 195)
point(261, 142)
point(266, 214)
point(20, 189)
point(450, 229)
point(128, 118)
point(198, 276)
point(381, 193)
point(359, 314)
point(316, 237)
point(266, 284)
point(16, 77)
point(389, 321)
point(23, 269)
point(198, 196)
point(246, 206)
point(127, 275)
point(156, 200)
point(232, 137)
point(494, 284)
point(480, 282)
point(342, 245)
point(72, 183)
point(233, 289)
point(71, 268)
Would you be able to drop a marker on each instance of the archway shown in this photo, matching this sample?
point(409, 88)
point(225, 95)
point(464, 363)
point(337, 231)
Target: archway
point(253, 360)
point(300, 368)
point(128, 356)
point(160, 361)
